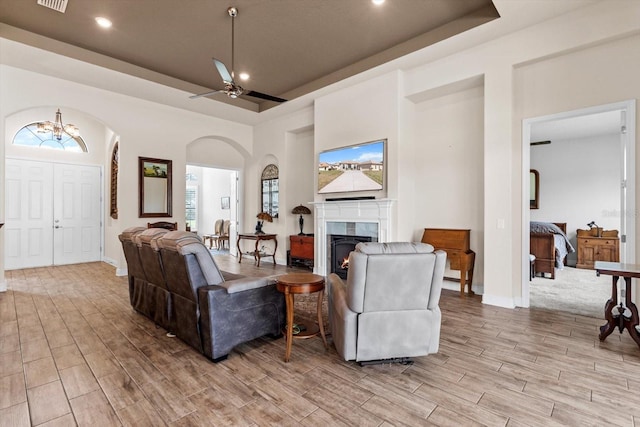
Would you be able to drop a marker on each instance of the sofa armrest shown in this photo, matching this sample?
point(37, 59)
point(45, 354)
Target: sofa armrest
point(246, 283)
point(228, 319)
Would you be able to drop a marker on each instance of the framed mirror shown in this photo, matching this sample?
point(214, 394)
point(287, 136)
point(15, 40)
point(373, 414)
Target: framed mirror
point(154, 187)
point(534, 189)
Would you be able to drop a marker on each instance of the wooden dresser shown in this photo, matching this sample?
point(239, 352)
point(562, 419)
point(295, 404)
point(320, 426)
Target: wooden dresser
point(455, 243)
point(301, 250)
point(592, 248)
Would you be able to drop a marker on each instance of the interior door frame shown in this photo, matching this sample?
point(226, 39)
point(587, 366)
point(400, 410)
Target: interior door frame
point(628, 202)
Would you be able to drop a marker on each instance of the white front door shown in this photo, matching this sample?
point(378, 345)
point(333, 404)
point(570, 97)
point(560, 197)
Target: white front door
point(52, 214)
point(29, 214)
point(76, 214)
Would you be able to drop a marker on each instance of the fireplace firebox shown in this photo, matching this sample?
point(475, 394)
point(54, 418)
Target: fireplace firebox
point(341, 247)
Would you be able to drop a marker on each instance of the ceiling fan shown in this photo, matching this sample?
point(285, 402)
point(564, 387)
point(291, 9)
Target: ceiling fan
point(231, 88)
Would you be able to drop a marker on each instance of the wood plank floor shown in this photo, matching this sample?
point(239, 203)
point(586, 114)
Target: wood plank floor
point(73, 352)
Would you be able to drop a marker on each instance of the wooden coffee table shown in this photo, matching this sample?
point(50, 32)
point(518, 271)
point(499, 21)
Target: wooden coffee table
point(301, 284)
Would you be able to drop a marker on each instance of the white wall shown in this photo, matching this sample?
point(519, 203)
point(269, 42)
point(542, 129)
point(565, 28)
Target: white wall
point(300, 183)
point(579, 183)
point(451, 172)
point(366, 112)
point(277, 141)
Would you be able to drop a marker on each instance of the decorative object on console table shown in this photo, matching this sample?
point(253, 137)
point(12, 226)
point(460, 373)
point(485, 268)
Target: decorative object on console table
point(302, 250)
point(262, 217)
point(455, 243)
point(598, 230)
point(301, 210)
point(597, 244)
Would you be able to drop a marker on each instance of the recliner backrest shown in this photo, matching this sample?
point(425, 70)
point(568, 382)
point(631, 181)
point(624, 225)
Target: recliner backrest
point(187, 263)
point(394, 276)
point(131, 254)
point(147, 242)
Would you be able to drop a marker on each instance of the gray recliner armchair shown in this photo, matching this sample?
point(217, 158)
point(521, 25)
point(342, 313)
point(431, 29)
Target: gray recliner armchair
point(388, 308)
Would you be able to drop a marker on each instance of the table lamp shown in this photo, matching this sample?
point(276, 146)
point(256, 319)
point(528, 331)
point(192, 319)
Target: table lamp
point(301, 210)
point(262, 217)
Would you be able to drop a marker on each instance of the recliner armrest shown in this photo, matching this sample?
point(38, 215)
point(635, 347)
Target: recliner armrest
point(335, 281)
point(246, 283)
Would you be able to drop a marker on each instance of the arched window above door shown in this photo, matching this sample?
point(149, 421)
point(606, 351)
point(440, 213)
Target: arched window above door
point(29, 136)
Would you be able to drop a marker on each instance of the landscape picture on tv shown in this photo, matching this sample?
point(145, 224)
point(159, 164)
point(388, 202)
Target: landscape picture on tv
point(354, 168)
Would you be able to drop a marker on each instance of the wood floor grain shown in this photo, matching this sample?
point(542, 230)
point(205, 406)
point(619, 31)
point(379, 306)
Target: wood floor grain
point(73, 352)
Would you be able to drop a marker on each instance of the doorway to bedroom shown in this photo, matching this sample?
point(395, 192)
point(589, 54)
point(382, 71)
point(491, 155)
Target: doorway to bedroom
point(585, 162)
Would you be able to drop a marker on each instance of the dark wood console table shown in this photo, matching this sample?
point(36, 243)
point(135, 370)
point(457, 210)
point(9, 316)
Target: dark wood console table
point(257, 253)
point(621, 320)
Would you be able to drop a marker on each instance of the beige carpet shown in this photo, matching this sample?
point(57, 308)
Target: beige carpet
point(574, 290)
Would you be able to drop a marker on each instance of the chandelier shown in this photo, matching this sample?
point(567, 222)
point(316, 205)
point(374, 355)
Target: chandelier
point(57, 128)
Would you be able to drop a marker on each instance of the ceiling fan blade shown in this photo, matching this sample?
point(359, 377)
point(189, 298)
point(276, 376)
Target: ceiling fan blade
point(264, 96)
point(224, 73)
point(540, 142)
point(205, 94)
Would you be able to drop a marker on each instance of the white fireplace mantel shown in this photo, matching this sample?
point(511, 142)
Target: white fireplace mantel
point(377, 211)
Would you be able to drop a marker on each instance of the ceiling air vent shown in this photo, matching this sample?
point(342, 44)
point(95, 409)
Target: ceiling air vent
point(57, 5)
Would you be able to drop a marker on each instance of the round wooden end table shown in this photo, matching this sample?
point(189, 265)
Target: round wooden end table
point(301, 284)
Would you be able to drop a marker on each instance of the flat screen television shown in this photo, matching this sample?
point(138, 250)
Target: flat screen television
point(354, 168)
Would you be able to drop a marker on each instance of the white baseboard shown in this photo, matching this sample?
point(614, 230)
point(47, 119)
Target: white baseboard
point(119, 271)
point(498, 301)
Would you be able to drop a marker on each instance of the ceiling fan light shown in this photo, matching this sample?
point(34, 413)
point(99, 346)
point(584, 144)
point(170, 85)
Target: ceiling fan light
point(244, 76)
point(377, 2)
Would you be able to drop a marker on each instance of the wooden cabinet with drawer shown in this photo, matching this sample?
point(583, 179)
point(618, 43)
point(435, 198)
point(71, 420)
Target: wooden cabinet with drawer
point(455, 242)
point(592, 249)
point(301, 250)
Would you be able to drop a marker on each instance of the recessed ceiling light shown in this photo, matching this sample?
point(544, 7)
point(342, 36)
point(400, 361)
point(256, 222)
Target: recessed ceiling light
point(377, 2)
point(103, 22)
point(244, 76)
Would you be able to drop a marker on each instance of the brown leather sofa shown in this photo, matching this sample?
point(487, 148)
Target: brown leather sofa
point(210, 310)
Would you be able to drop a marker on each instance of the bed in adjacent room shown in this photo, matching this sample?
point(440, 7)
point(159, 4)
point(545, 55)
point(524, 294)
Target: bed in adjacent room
point(550, 245)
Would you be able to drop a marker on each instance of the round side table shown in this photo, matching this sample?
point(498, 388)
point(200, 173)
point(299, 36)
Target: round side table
point(302, 284)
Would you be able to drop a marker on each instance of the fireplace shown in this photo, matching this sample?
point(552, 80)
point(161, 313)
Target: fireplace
point(369, 218)
point(341, 247)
